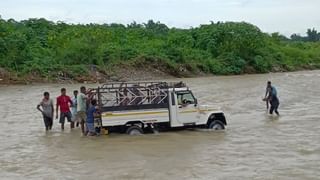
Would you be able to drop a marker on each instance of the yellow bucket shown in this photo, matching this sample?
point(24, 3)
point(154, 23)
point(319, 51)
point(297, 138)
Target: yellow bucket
point(104, 131)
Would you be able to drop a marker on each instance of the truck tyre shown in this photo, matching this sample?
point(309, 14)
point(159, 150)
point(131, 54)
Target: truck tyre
point(134, 130)
point(216, 125)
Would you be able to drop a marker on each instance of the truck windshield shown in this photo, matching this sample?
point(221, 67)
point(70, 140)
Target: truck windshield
point(185, 97)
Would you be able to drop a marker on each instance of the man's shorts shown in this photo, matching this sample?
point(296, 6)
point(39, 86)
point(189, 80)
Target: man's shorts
point(47, 121)
point(90, 127)
point(64, 115)
point(74, 116)
point(81, 116)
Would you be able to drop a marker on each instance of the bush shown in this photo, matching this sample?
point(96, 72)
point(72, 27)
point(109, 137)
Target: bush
point(41, 46)
point(261, 64)
point(232, 64)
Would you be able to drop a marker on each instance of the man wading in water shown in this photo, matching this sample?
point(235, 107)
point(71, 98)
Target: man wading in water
point(47, 110)
point(271, 97)
point(74, 107)
point(63, 101)
point(83, 100)
point(269, 89)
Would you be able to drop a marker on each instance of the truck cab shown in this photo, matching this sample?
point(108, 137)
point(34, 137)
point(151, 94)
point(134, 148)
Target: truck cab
point(185, 110)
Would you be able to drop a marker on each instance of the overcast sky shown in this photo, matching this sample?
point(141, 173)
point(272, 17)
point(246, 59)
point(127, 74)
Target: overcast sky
point(284, 16)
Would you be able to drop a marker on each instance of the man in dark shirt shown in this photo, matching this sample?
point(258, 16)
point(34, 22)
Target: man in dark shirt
point(270, 89)
point(274, 101)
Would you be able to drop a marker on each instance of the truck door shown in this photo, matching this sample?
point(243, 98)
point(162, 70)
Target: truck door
point(187, 111)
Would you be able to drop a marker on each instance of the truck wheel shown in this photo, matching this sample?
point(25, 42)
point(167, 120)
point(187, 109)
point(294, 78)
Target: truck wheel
point(216, 125)
point(134, 130)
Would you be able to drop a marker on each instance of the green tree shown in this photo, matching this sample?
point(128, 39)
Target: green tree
point(312, 35)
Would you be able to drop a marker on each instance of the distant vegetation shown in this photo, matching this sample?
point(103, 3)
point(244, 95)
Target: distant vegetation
point(45, 48)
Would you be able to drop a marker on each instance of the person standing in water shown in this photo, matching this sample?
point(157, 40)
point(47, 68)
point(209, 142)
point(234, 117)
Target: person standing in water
point(82, 108)
point(274, 102)
point(74, 107)
point(272, 98)
point(91, 114)
point(47, 110)
point(270, 89)
point(64, 102)
point(83, 100)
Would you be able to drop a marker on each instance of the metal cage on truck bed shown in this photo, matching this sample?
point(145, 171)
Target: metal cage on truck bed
point(119, 96)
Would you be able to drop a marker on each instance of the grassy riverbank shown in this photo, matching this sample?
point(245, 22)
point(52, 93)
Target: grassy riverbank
point(44, 51)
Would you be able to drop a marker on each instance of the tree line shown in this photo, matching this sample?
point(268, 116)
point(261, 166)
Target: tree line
point(312, 36)
point(46, 48)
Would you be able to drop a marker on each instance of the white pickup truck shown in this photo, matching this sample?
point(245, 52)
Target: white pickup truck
point(140, 107)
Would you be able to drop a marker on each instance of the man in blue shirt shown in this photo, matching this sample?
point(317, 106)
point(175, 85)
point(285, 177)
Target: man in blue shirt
point(91, 114)
point(270, 90)
point(271, 97)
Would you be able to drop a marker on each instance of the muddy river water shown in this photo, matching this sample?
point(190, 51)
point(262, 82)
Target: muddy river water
point(254, 145)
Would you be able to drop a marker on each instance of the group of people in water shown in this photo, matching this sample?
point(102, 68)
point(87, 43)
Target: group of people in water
point(272, 99)
point(81, 110)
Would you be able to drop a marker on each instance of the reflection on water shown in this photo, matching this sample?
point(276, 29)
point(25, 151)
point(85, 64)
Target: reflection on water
point(254, 146)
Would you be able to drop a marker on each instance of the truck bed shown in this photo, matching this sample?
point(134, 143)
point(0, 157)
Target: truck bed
point(115, 118)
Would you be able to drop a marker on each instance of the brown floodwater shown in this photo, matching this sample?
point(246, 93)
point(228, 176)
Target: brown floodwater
point(254, 145)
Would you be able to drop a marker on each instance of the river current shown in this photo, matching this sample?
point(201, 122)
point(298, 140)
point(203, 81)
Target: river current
point(253, 146)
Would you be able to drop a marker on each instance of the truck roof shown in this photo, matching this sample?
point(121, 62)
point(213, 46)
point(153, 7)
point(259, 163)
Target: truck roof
point(179, 89)
point(143, 84)
point(116, 96)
